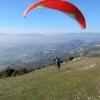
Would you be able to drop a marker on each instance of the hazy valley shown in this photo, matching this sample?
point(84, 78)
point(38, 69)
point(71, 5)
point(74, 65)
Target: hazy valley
point(32, 51)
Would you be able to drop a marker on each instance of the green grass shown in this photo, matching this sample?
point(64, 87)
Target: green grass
point(76, 80)
point(94, 52)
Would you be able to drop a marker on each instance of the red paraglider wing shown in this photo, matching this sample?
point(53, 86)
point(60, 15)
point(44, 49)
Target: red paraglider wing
point(62, 6)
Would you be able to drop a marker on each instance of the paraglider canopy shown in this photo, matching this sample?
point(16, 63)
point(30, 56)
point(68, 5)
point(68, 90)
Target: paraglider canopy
point(60, 5)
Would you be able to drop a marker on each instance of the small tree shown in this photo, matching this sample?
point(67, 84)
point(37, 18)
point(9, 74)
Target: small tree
point(70, 58)
point(7, 72)
point(20, 68)
point(7, 68)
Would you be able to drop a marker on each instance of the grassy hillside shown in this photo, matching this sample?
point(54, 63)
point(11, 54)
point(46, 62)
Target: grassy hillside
point(76, 80)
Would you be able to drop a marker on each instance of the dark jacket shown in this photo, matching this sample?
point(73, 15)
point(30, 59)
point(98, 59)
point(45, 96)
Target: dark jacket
point(57, 60)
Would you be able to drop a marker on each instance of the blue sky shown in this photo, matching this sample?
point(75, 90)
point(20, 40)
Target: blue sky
point(46, 21)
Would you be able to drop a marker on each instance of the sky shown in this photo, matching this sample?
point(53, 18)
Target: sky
point(46, 21)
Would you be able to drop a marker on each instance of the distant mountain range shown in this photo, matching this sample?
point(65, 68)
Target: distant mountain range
point(40, 38)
